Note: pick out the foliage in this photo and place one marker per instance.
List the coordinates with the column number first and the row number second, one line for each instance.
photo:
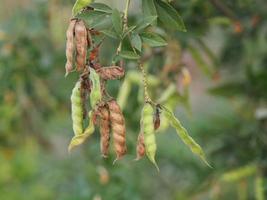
column 226, row 40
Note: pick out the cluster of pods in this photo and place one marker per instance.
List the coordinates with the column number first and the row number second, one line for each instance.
column 83, row 56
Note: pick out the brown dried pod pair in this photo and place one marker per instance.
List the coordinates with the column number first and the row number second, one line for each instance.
column 111, row 73
column 118, row 128
column 78, row 41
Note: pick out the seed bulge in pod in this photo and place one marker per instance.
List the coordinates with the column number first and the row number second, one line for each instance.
column 77, row 109
column 104, row 130
column 149, row 135
column 70, row 47
column 81, row 45
column 118, row 129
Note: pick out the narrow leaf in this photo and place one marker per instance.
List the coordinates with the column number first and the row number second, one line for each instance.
column 136, row 41
column 79, row 5
column 102, row 23
column 153, row 39
column 110, row 33
column 128, row 31
column 96, row 19
column 169, row 17
column 101, row 7
column 147, row 21
column 117, row 21
column 183, row 134
column 129, row 55
column 148, row 7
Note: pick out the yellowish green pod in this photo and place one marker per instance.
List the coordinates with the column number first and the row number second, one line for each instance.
column 95, row 95
column 79, row 139
column 149, row 135
column 77, row 109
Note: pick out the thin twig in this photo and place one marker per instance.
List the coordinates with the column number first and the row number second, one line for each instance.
column 125, row 23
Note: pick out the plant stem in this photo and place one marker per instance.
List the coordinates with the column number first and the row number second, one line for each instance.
column 145, row 85
column 125, row 22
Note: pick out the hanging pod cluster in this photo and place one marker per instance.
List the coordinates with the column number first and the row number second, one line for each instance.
column 90, row 92
column 92, row 105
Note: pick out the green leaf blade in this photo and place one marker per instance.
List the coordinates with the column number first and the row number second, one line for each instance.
column 153, row 39
column 136, row 42
column 101, row 7
column 117, row 21
column 130, row 55
column 169, row 16
column 149, row 8
column 147, row 21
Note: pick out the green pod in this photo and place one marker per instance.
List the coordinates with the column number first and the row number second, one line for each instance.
column 149, row 135
column 77, row 109
column 95, row 95
column 79, row 139
column 124, row 93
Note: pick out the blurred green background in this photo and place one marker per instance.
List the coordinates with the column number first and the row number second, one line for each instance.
column 225, row 50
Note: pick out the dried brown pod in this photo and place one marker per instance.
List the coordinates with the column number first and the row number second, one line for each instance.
column 70, row 46
column 104, row 130
column 111, row 73
column 118, row 129
column 140, row 147
column 81, row 45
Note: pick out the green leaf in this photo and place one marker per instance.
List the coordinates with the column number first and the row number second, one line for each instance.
column 110, row 33
column 148, row 7
column 117, row 21
column 129, row 30
column 104, row 22
column 183, row 134
column 101, row 7
column 169, row 17
column 79, row 5
column 153, row 39
column 147, row 21
column 136, row 41
column 129, row 55
column 96, row 19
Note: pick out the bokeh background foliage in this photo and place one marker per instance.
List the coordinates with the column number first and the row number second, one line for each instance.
column 225, row 50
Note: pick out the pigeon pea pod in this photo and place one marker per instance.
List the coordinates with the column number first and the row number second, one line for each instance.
column 80, row 139
column 183, row 134
column 104, row 130
column 95, row 95
column 118, row 128
column 149, row 135
column 77, row 109
column 70, row 46
column 81, row 45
